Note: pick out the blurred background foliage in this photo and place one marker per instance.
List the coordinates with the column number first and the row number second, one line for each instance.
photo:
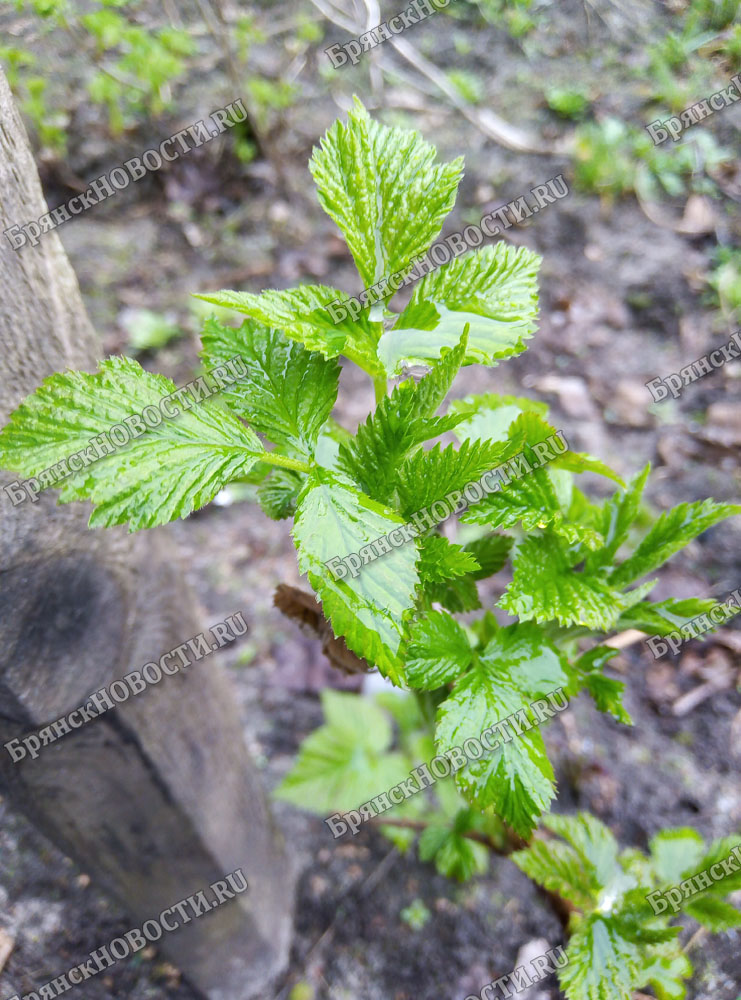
column 134, row 61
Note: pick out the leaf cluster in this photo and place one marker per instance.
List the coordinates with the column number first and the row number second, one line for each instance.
column 572, row 568
column 617, row 942
column 575, row 568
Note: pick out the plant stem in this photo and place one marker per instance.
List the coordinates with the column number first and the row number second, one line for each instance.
column 514, row 844
column 379, row 384
column 561, row 907
column 285, row 462
column 420, row 824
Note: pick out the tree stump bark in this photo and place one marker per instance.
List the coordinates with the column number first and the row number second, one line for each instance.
column 157, row 798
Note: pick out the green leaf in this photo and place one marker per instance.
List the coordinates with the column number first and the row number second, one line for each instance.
column 458, row 595
column 580, row 509
column 602, row 965
column 333, row 520
column 522, row 654
column 278, row 494
column 640, row 926
column 358, row 717
column 546, row 585
column 675, row 852
column 437, row 651
column 490, row 552
column 401, row 837
column 591, row 839
column 531, row 498
column 666, row 616
column 400, row 423
column 671, row 532
column 455, row 856
column 488, row 417
column 441, row 560
column 516, row 778
column 432, row 390
column 346, row 761
column 606, row 691
column 428, row 476
column 713, row 913
column 484, row 629
column 404, row 709
column 563, row 484
column 416, row 915
column 288, row 393
column 579, row 462
column 258, row 473
column 494, row 290
column 665, row 973
column 608, row 697
column 327, row 452
column 384, row 190
column 558, row 868
column 448, row 573
column 635, row 863
column 618, row 514
column 594, row 659
column 530, row 501
column 301, row 313
column 719, row 851
column 167, row 472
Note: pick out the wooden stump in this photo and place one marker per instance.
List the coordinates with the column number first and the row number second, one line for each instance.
column 155, row 799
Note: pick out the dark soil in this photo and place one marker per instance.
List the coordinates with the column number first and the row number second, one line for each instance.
column 621, row 304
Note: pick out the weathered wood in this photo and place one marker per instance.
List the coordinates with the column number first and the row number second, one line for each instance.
column 157, row 798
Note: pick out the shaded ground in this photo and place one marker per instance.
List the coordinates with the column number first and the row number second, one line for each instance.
column 620, row 305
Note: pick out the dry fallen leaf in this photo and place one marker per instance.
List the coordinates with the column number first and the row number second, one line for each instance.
column 7, row 943
column 629, row 403
column 304, row 609
column 699, row 215
column 573, row 395
column 724, row 423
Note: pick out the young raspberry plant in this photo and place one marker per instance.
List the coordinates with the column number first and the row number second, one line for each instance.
column 367, row 508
